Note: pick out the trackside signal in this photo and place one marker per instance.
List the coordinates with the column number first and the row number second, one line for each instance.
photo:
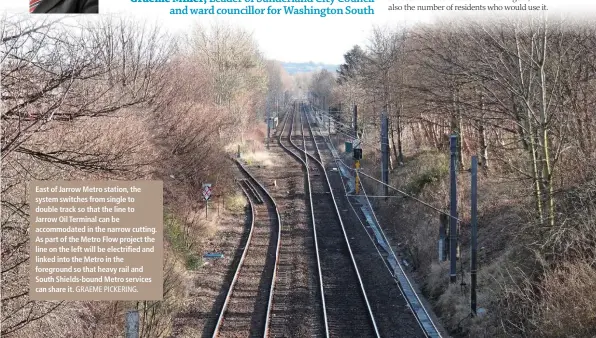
column 357, row 154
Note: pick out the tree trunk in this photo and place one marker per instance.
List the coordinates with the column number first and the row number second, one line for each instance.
column 460, row 141
column 395, row 149
column 546, row 163
column 417, row 134
column 483, row 148
column 535, row 172
column 530, row 132
column 482, row 136
column 390, row 158
column 400, row 158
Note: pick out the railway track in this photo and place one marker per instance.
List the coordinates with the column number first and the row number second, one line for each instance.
column 296, row 291
column 247, row 305
column 347, row 312
column 399, row 310
column 291, row 137
column 263, row 301
column 301, row 239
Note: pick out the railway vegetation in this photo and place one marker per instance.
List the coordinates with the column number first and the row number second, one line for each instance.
column 235, row 202
column 176, row 234
column 432, row 167
column 119, row 99
column 520, row 93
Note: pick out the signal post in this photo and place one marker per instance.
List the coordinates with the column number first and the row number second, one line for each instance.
column 357, row 158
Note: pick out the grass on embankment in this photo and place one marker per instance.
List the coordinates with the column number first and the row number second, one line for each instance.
column 530, row 279
column 178, row 236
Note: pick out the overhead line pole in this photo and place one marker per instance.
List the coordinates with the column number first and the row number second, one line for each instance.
column 356, row 120
column 474, row 235
column 453, row 211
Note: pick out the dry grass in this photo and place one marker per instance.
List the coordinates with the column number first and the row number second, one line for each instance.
column 552, row 295
column 567, row 305
column 521, row 295
column 261, row 158
column 531, row 283
column 251, row 141
column 236, row 203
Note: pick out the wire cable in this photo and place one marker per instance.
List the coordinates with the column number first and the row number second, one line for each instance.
column 391, row 272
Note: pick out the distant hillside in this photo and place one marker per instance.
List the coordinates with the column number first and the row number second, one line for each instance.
column 305, row 67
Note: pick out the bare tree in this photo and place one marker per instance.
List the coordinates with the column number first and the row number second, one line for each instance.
column 237, row 69
column 54, row 81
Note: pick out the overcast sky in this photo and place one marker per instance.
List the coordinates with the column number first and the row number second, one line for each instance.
column 299, row 38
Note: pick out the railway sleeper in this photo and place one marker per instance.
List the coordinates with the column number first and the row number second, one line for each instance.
column 253, row 191
column 256, row 194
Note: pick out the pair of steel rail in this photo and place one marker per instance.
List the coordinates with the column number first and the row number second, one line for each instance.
column 303, row 157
